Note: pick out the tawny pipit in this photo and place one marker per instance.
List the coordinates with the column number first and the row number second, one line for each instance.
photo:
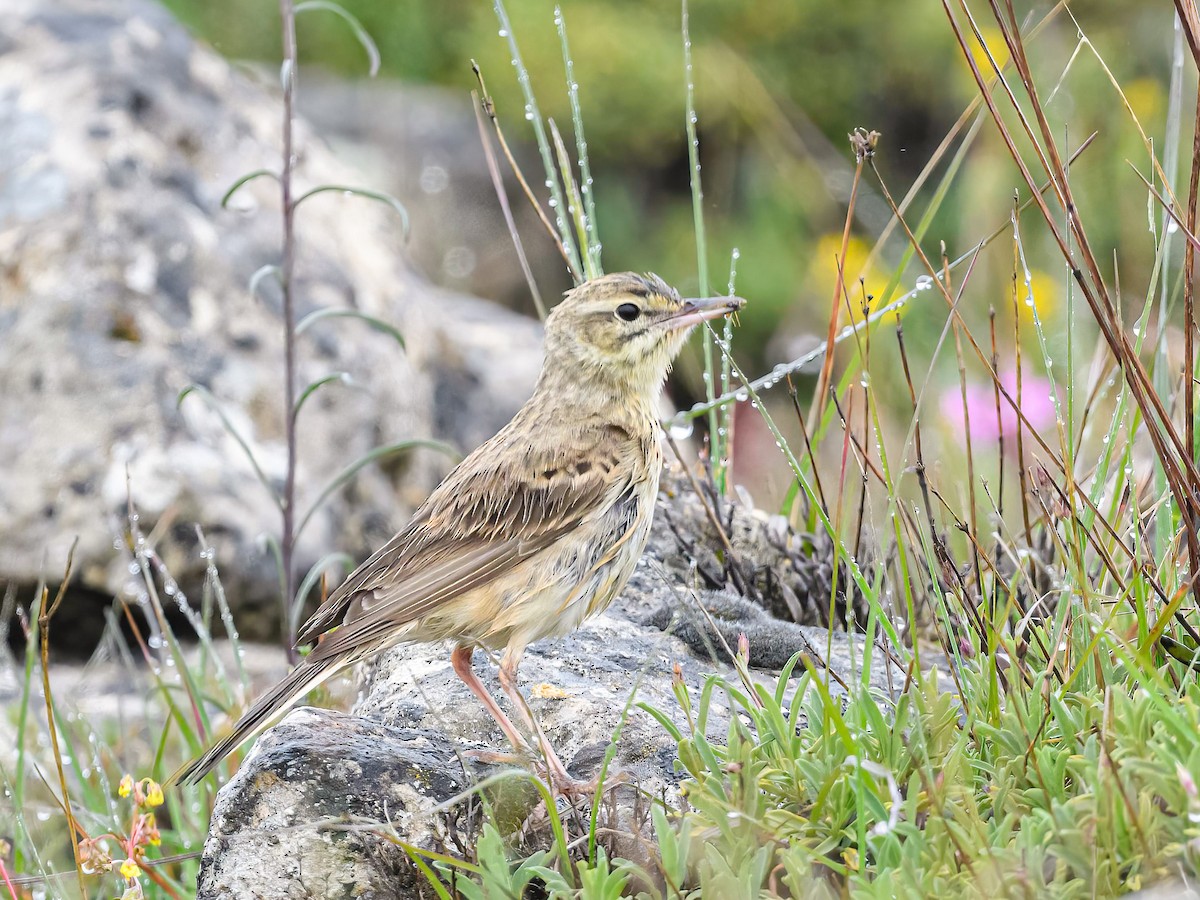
column 536, row 530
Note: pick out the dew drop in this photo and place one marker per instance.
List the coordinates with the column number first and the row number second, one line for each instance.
column 681, row 431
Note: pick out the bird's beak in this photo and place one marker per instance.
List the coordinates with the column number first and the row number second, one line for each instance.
column 697, row 310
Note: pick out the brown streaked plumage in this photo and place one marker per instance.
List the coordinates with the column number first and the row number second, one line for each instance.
column 537, row 529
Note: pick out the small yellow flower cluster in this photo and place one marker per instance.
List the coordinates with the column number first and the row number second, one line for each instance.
column 147, row 792
column 143, row 832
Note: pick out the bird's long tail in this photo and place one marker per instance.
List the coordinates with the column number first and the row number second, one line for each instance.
column 265, row 710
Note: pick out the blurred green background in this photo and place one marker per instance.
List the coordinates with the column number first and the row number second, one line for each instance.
column 779, row 84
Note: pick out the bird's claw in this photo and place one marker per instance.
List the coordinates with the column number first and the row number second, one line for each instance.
column 563, row 784
column 560, row 782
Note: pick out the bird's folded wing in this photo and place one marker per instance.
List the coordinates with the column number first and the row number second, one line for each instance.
column 478, row 525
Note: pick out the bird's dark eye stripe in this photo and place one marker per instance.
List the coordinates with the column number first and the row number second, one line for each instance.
column 628, row 312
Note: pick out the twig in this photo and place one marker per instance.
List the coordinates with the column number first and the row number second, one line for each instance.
column 795, row 397
column 939, row 545
column 1189, row 18
column 1168, row 445
column 489, row 108
column 28, row 880
column 1189, row 267
column 12, row 891
column 862, row 151
column 44, row 616
column 1020, row 382
column 972, row 514
column 498, row 183
column 287, row 268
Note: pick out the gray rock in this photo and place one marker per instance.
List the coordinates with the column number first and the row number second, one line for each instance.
column 122, row 280
column 785, row 572
column 293, row 834
column 408, row 749
column 1167, row 890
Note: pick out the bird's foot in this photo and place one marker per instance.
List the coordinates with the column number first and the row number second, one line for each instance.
column 563, row 784
column 554, row 774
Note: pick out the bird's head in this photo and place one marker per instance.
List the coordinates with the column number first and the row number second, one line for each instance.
column 624, row 330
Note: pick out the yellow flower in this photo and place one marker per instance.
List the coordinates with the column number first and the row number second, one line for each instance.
column 130, row 870
column 154, row 792
column 850, row 858
column 1145, row 98
column 823, row 274
column 126, row 786
column 148, row 827
column 1045, row 290
column 994, row 42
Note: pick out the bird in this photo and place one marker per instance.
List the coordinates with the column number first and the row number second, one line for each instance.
column 536, row 530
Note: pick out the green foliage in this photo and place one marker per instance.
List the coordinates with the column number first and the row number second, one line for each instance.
column 497, row 876
column 929, row 799
column 1066, row 794
column 133, row 835
column 778, row 86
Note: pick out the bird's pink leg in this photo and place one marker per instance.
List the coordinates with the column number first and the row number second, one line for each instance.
column 460, row 659
column 561, row 780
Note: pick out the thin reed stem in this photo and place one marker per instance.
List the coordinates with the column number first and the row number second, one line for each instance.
column 287, row 266
column 716, row 442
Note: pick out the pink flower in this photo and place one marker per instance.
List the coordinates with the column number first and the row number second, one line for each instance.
column 1037, row 404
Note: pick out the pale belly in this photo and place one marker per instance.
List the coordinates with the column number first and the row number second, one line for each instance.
column 557, row 590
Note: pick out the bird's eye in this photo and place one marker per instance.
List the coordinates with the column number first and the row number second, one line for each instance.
column 628, row 311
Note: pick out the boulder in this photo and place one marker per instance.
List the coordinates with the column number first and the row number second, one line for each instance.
column 123, row 280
